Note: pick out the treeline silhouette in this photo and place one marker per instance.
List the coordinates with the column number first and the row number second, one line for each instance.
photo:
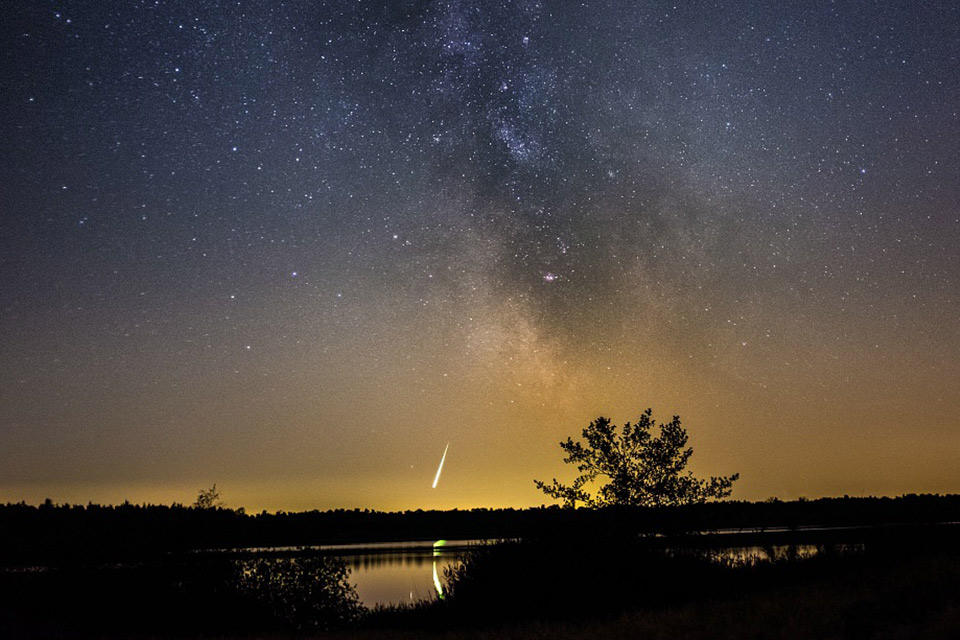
column 65, row 535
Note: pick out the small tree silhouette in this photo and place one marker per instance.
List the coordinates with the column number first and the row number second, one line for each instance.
column 208, row 499
column 641, row 470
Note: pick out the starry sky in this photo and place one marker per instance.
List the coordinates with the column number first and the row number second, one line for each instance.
column 295, row 248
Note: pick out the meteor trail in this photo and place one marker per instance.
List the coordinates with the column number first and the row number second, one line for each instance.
column 440, row 468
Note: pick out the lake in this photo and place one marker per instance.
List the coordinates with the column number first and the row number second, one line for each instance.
column 398, row 572
column 387, row 573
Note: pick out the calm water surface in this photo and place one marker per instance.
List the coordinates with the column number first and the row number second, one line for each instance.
column 400, row 572
column 394, row 573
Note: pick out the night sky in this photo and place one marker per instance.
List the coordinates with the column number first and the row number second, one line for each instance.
column 295, row 248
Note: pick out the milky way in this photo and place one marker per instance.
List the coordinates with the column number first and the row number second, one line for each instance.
column 290, row 247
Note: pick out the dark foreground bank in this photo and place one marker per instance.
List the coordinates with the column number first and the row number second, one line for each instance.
column 915, row 597
column 880, row 582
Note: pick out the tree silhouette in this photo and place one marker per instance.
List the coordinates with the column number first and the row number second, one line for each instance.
column 208, row 499
column 641, row 470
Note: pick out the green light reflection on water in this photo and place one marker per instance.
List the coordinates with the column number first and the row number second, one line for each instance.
column 437, row 547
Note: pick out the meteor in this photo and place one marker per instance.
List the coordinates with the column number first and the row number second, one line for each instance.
column 440, row 468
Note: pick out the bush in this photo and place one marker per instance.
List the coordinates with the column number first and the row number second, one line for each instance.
column 565, row 578
column 307, row 593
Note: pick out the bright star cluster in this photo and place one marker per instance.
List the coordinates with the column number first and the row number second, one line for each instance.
column 293, row 247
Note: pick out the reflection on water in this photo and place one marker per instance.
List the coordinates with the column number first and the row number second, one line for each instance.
column 437, row 554
column 405, row 572
column 771, row 553
column 392, row 573
column 779, row 552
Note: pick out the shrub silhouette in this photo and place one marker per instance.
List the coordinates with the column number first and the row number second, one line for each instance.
column 574, row 576
column 307, row 593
